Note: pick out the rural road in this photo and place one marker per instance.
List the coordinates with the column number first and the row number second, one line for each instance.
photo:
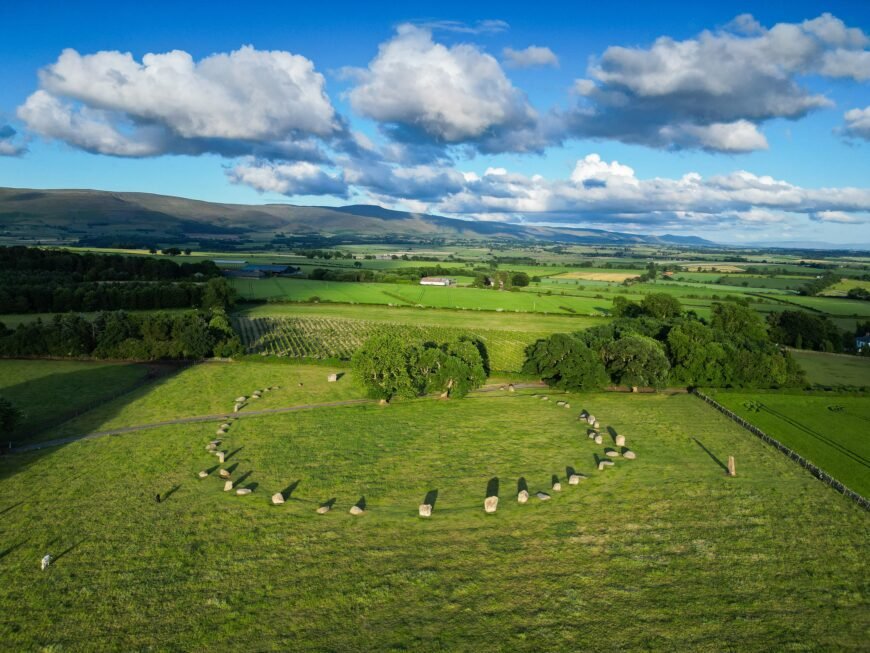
column 221, row 416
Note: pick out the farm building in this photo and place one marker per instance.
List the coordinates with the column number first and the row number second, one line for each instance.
column 253, row 271
column 436, row 281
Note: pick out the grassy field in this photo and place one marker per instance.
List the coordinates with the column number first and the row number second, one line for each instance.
column 840, row 288
column 664, row 552
column 46, row 391
column 829, row 430
column 209, row 389
column 833, row 369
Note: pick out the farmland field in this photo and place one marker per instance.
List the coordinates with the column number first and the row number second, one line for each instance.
column 830, row 431
column 323, row 337
column 833, row 369
column 614, row 277
column 663, row 552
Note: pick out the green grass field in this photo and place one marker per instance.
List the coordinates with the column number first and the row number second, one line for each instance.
column 833, row 369
column 664, row 552
column 46, row 391
column 830, row 431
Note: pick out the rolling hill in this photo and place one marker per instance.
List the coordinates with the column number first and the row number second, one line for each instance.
column 91, row 217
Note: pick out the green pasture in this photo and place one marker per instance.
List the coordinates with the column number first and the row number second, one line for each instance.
column 664, row 552
column 831, row 431
column 47, row 391
column 833, row 369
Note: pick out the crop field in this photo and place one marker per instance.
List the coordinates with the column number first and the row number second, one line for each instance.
column 46, row 391
column 614, row 277
column 833, row 369
column 828, row 430
column 840, row 288
column 467, row 320
column 661, row 552
column 326, row 337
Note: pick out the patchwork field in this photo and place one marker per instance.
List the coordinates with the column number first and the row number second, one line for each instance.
column 663, row 552
column 830, row 431
column 614, row 277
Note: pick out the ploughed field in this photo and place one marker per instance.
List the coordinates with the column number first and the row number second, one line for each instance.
column 662, row 552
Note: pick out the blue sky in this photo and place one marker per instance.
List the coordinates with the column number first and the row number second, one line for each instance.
column 753, row 129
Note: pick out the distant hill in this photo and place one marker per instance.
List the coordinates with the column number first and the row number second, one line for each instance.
column 92, row 217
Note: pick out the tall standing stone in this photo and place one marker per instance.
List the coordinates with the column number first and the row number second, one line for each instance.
column 425, row 510
column 523, row 496
column 620, row 440
column 277, row 499
column 228, row 486
column 732, row 469
column 490, row 504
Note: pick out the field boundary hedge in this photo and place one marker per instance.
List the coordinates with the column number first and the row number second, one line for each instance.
column 796, row 457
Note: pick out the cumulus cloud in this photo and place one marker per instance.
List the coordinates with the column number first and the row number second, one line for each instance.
column 530, row 57
column 597, row 191
column 858, row 123
column 10, row 144
column 298, row 178
column 713, row 91
column 228, row 103
column 421, row 90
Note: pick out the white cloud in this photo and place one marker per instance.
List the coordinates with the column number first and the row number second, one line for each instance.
column 592, row 168
column 713, row 91
column 489, row 26
column 428, row 91
column 838, row 216
column 858, row 123
column 531, row 56
column 299, row 178
column 170, row 103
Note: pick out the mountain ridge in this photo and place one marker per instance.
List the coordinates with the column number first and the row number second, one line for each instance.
column 86, row 216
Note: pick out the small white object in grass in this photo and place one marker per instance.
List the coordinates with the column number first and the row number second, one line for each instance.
column 46, row 561
column 628, row 454
column 575, row 479
column 243, row 491
column 620, row 440
column 557, row 487
column 356, row 510
column 523, row 496
column 490, row 504
column 278, row 498
column 543, row 496
column 228, row 486
column 425, row 510
column 203, row 474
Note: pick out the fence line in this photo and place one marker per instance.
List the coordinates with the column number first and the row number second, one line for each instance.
column 796, row 457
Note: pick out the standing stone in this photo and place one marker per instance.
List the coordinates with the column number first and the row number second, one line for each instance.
column 575, row 479
column 611, row 453
column 203, row 474
column 425, row 510
column 211, row 446
column 255, row 396
column 595, row 424
column 236, row 408
column 225, row 426
column 277, row 499
column 490, row 504
column 567, row 405
column 628, row 454
column 242, row 491
column 240, row 399
column 383, row 402
column 511, row 388
column 557, row 487
column 523, row 496
column 356, row 510
column 604, row 463
column 332, row 378
column 545, row 398
column 732, row 469
column 590, row 419
column 322, row 510
column 620, row 440
column 543, row 496
column 224, row 473
column 560, row 403
column 221, row 455
column 599, row 439
column 228, row 486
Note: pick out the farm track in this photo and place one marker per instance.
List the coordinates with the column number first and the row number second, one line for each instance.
column 223, row 416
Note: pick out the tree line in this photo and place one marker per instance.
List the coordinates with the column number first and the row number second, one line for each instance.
column 192, row 335
column 658, row 345
column 33, row 280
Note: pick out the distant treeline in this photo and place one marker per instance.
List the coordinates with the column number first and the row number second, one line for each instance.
column 58, row 281
column 119, row 335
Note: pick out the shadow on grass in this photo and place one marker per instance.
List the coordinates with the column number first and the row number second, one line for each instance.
column 710, row 453
column 492, row 487
column 65, row 384
column 361, row 504
column 288, row 491
column 68, row 550
column 522, row 485
column 431, row 498
column 570, row 471
column 5, row 552
column 8, row 508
